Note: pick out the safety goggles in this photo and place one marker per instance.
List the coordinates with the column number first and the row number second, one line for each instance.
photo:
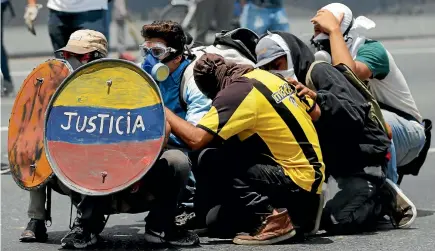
column 155, row 48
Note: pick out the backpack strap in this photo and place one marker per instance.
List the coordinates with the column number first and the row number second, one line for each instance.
column 308, row 81
column 182, row 88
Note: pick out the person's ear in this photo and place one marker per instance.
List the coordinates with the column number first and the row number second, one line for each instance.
column 178, row 59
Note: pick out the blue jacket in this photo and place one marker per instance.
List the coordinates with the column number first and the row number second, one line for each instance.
column 197, row 103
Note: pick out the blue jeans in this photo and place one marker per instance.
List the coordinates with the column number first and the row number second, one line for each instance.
column 260, row 20
column 62, row 24
column 108, row 20
column 392, row 164
column 409, row 138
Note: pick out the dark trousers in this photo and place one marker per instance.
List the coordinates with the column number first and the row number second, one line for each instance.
column 248, row 188
column 164, row 181
column 62, row 24
column 4, row 55
column 355, row 208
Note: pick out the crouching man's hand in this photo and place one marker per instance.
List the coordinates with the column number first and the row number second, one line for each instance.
column 302, row 89
column 304, row 93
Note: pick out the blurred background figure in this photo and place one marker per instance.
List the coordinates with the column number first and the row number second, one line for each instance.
column 262, row 15
column 207, row 10
column 7, row 88
column 121, row 16
column 66, row 17
column 108, row 20
column 398, row 7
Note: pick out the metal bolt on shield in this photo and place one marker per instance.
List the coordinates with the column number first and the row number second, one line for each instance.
column 109, row 84
column 33, row 167
column 103, row 175
column 39, row 81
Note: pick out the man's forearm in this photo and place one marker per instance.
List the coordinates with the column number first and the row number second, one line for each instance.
column 339, row 51
column 315, row 113
column 167, row 133
column 182, row 129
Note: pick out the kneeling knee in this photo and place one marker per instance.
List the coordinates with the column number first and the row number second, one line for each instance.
column 178, row 161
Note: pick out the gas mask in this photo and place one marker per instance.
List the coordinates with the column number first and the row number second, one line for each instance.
column 153, row 66
column 323, row 56
column 77, row 60
column 290, row 73
column 324, row 43
column 321, row 45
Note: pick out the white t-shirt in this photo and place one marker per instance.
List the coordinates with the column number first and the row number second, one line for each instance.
column 388, row 84
column 77, row 5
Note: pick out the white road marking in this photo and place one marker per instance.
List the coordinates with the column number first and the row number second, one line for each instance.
column 432, row 150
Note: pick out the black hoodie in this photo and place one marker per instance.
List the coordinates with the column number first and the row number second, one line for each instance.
column 350, row 141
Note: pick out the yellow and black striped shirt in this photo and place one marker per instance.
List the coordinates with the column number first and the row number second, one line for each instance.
column 261, row 106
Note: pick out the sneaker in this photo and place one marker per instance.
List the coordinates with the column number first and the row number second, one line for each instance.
column 35, row 232
column 8, row 91
column 189, row 221
column 276, row 228
column 176, row 237
column 184, row 218
column 319, row 211
column 399, row 208
column 78, row 238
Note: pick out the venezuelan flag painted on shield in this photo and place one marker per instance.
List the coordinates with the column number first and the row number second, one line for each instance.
column 105, row 127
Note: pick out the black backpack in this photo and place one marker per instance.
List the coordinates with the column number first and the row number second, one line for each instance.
column 241, row 39
column 412, row 168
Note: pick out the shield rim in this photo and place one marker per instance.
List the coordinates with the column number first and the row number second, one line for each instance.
column 54, row 166
column 50, row 177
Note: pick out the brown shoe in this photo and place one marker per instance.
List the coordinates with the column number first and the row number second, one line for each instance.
column 276, row 228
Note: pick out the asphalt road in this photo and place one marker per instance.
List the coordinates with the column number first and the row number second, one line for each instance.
column 124, row 232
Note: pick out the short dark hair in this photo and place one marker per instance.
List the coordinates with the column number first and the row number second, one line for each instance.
column 169, row 31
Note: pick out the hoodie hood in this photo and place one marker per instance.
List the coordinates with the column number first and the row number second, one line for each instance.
column 212, row 73
column 353, row 29
column 301, row 55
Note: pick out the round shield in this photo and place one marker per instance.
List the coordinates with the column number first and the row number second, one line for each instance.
column 105, row 127
column 28, row 163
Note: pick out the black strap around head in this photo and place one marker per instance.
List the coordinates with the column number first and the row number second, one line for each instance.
column 348, row 28
column 74, row 62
